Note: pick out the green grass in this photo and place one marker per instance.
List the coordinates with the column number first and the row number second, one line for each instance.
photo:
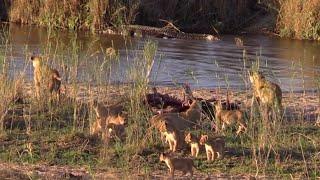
column 62, row 147
column 55, row 142
column 40, row 132
column 58, row 147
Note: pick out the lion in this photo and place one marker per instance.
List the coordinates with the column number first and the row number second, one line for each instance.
column 45, row 78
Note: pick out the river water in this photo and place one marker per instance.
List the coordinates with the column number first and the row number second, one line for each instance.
column 294, row 64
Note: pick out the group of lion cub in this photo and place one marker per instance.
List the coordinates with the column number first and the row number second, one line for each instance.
column 173, row 127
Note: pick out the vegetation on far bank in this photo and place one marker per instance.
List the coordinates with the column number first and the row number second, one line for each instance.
column 97, row 14
column 299, row 19
column 289, row 18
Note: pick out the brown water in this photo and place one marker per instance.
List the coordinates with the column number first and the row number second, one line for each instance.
column 294, row 64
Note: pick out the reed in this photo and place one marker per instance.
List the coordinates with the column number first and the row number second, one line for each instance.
column 58, row 132
column 92, row 14
column 10, row 88
column 205, row 16
column 139, row 74
column 299, row 19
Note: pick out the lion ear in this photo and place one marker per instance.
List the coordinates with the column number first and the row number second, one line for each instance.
column 205, row 137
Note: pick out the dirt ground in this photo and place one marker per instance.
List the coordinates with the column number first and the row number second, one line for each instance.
column 42, row 171
column 297, row 106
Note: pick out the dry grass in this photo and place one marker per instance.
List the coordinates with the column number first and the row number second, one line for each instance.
column 58, row 134
column 299, row 19
column 71, row 14
column 194, row 16
column 10, row 91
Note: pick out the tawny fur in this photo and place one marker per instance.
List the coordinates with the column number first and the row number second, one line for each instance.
column 172, row 119
column 214, row 147
column 95, row 128
column 107, row 116
column 181, row 164
column 204, row 106
column 171, row 135
column 266, row 92
column 45, row 78
column 230, row 117
column 171, row 139
column 193, row 114
column 180, row 121
column 116, row 131
column 194, row 144
column 102, row 111
column 175, row 121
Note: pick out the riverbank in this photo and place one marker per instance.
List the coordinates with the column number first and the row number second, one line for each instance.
column 43, row 140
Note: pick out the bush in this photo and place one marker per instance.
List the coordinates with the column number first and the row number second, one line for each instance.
column 299, row 19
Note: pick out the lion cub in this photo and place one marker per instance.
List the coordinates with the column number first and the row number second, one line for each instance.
column 193, row 114
column 194, row 144
column 109, row 114
column 45, row 77
column 214, row 146
column 182, row 164
column 109, row 119
column 116, row 131
column 171, row 136
column 229, row 117
column 266, row 92
column 96, row 130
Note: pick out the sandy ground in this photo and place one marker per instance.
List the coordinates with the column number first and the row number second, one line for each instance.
column 42, row 171
column 298, row 106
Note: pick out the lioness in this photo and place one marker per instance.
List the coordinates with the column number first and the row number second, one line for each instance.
column 45, row 78
column 267, row 93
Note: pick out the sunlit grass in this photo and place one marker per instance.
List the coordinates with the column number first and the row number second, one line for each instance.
column 58, row 133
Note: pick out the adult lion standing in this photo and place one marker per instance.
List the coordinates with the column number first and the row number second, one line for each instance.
column 45, row 78
column 267, row 93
